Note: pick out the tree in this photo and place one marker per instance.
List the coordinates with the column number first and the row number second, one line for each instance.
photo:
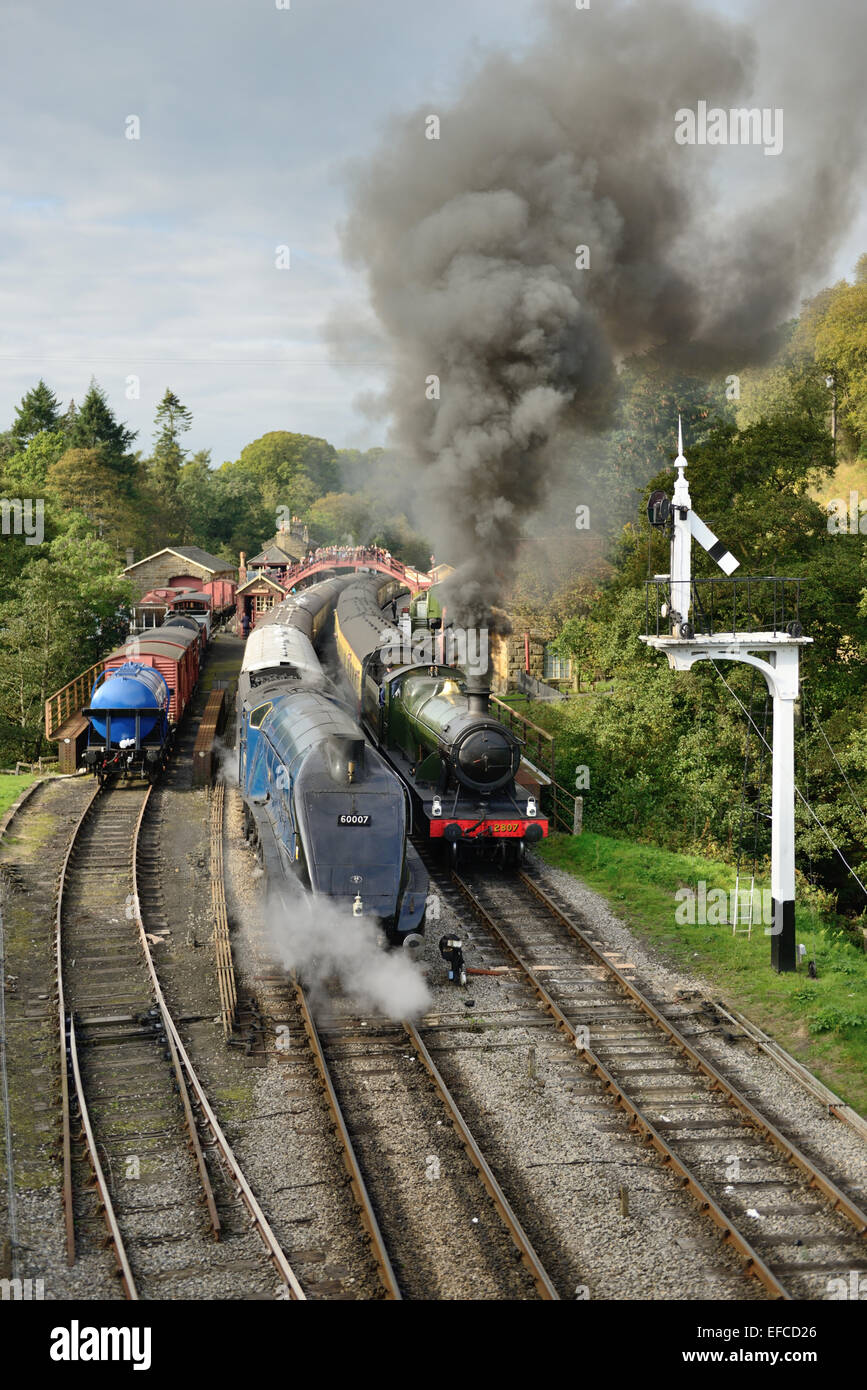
column 96, row 427
column 341, row 517
column 81, row 481
column 172, row 420
column 39, row 410
column 841, row 349
column 70, row 607
column 277, row 459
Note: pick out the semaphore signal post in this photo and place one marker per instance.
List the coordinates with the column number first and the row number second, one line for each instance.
column 716, row 620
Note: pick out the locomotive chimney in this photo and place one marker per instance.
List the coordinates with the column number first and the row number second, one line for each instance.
column 478, row 695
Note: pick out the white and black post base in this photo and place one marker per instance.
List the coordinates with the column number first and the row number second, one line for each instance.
column 782, row 933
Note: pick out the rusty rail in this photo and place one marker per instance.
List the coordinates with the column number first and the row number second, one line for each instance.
column 67, row 1039
column 241, row 1186
column 504, row 1209
column 839, row 1201
column 350, row 1161
column 754, row 1264
column 187, row 1081
column 183, row 1092
column 528, row 1255
column 114, row 1234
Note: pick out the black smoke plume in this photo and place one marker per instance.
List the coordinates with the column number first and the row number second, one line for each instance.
column 468, row 242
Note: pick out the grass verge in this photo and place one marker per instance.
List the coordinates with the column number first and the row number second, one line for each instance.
column 11, row 788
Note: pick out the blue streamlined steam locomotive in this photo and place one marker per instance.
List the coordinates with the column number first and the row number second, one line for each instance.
column 319, row 801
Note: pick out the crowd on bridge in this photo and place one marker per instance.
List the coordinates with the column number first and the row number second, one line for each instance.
column 350, row 553
column 334, row 555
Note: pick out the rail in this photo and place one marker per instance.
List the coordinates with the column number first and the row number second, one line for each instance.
column 718, row 606
column 790, row 1152
column 527, row 1254
column 753, row 1262
column 350, row 1161
column 67, row 1043
column 187, row 1079
column 503, row 1207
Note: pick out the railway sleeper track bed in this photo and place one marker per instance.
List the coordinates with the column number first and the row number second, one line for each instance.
column 436, row 1223
column 793, row 1227
column 144, row 1156
column 34, row 835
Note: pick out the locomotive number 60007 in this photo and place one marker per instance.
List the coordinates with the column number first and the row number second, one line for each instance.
column 353, row 820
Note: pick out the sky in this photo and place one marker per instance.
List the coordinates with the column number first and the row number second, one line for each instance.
column 151, row 263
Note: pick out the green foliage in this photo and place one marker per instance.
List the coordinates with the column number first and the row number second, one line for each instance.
column 172, row 420
column 666, row 750
column 841, row 350
column 39, row 410
column 71, row 605
column 63, row 602
column 95, row 426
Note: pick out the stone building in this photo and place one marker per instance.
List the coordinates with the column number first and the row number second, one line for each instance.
column 177, row 567
column 512, row 656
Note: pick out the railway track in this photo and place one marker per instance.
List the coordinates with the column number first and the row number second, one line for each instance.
column 791, row 1224
column 435, row 1218
column 154, row 1164
column 33, row 839
column 425, row 1185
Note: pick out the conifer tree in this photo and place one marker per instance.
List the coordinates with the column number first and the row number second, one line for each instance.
column 39, row 410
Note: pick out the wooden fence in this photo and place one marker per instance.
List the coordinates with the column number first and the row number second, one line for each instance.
column 63, row 704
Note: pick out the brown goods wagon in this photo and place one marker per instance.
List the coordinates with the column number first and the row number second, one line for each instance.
column 222, row 592
column 176, row 659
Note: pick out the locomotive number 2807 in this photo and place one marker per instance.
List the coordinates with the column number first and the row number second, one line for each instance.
column 353, row 820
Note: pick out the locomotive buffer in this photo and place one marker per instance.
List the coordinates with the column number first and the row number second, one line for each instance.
column 773, row 653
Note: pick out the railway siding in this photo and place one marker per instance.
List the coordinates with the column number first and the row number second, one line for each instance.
column 31, row 851
column 761, row 1191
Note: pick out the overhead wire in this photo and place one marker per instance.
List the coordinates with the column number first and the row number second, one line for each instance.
column 798, row 791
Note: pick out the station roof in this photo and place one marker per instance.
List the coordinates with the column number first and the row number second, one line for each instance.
column 271, row 555
column 193, row 553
